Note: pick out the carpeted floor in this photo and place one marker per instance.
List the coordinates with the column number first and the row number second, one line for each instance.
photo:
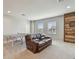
column 58, row 50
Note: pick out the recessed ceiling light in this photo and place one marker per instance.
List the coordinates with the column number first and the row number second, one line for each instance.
column 68, row 7
column 9, row 11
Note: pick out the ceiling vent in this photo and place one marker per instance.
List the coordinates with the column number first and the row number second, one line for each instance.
column 23, row 14
column 60, row 0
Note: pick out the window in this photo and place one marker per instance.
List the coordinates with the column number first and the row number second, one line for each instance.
column 52, row 27
column 40, row 26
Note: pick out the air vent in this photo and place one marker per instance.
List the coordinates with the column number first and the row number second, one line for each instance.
column 23, row 14
column 60, row 0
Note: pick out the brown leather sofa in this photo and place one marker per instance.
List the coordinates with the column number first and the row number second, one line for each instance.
column 37, row 42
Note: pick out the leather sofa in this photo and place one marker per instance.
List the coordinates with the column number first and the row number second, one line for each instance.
column 37, row 42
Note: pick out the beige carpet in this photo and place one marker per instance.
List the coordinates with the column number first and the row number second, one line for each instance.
column 58, row 50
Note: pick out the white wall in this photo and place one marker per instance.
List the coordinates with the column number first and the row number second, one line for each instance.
column 13, row 25
column 32, row 26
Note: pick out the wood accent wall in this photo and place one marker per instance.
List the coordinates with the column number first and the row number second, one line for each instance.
column 69, row 27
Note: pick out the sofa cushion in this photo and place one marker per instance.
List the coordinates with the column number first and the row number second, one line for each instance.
column 42, row 41
column 42, row 36
column 39, row 42
column 38, row 36
column 47, row 40
column 33, row 36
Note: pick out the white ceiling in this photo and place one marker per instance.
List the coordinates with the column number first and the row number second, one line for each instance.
column 37, row 9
